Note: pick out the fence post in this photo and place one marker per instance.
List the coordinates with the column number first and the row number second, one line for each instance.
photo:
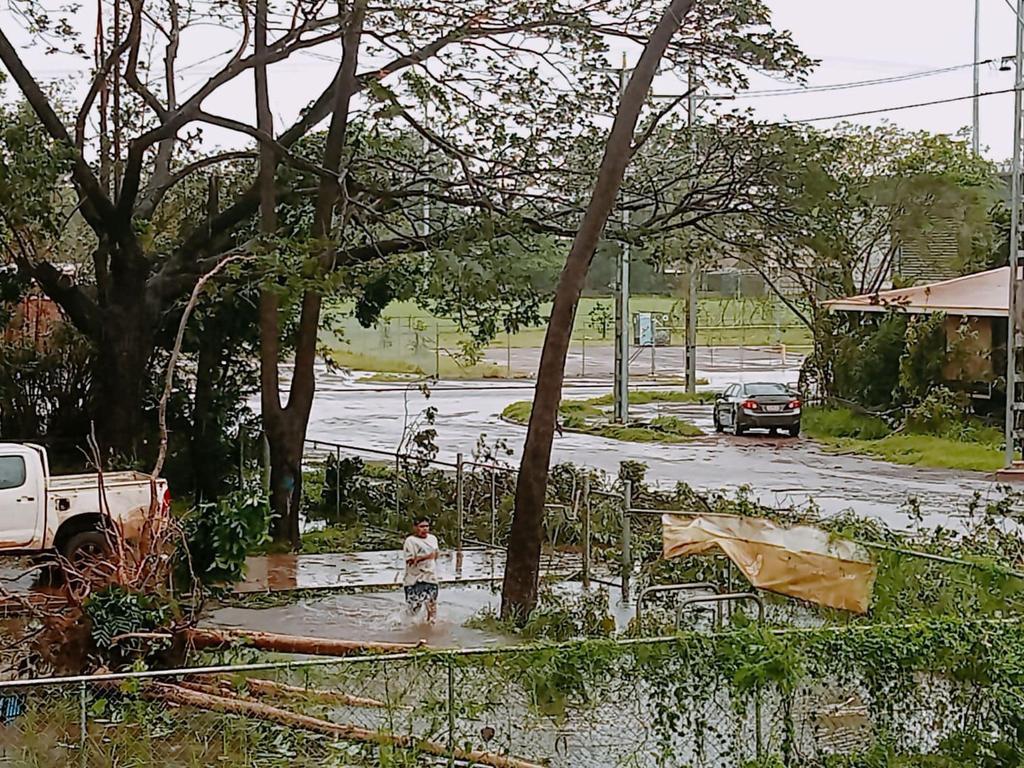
column 451, row 712
column 654, row 344
column 583, row 361
column 585, row 508
column 337, row 483
column 398, row 486
column 627, row 538
column 437, row 350
column 459, row 506
column 508, row 355
column 266, row 465
column 758, row 738
column 494, row 508
column 83, row 725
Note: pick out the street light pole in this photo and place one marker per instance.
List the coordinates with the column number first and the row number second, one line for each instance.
column 1012, row 327
column 620, row 396
column 691, row 302
column 975, row 133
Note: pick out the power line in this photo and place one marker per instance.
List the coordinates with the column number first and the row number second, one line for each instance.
column 897, row 108
column 852, row 84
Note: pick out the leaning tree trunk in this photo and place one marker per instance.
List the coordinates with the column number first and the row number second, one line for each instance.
column 522, row 568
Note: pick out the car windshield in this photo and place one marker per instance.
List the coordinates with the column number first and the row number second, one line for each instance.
column 767, row 389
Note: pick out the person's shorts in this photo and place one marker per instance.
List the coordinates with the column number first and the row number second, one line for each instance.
column 421, row 592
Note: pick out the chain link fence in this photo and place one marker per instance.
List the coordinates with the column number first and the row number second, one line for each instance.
column 593, row 704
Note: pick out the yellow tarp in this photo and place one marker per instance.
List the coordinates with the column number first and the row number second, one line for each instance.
column 800, row 561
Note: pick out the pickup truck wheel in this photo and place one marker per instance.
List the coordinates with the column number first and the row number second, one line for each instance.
column 86, row 546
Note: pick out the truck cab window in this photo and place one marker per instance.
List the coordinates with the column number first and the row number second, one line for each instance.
column 12, row 472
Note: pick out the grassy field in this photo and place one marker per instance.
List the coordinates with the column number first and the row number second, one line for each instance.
column 844, row 431
column 589, row 417
column 726, row 322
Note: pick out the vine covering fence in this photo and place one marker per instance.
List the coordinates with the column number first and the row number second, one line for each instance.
column 856, row 695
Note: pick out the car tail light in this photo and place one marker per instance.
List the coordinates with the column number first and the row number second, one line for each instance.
column 750, row 405
column 165, row 506
column 794, row 404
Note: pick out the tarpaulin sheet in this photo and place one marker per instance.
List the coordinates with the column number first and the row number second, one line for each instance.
column 800, row 561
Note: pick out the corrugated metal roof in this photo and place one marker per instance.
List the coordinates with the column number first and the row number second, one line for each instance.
column 985, row 294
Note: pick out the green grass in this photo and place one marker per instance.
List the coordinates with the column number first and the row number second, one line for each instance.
column 579, row 415
column 647, row 396
column 929, row 451
column 845, row 431
column 387, row 367
column 725, row 322
column 842, row 422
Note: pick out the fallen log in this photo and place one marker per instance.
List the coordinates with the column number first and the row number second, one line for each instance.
column 269, row 688
column 201, row 639
column 233, row 705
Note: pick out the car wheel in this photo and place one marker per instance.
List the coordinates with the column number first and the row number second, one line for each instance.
column 85, row 547
column 718, row 424
column 737, row 429
column 794, row 431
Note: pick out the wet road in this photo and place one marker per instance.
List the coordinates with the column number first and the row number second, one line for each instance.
column 780, row 471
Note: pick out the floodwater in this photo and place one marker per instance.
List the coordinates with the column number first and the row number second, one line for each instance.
column 780, row 471
column 362, row 570
column 379, row 616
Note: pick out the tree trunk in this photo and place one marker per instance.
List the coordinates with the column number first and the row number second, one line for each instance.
column 201, row 639
column 285, row 436
column 124, row 346
column 207, row 430
column 286, row 427
column 235, row 705
column 522, row 565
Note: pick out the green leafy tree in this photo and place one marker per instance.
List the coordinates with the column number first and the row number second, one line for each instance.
column 600, row 319
column 850, row 198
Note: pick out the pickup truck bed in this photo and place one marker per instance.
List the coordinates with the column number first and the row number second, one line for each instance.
column 40, row 512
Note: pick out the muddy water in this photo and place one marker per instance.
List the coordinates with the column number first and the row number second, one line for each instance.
column 381, row 615
column 276, row 573
column 374, row 616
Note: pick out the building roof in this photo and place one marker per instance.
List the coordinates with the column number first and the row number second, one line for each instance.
column 984, row 294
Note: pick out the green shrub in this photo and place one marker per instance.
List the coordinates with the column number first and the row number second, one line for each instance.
column 941, row 412
column 219, row 535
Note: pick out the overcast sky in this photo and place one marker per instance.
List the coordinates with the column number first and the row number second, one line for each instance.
column 871, row 39
column 855, row 41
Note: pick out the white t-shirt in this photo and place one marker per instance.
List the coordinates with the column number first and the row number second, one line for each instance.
column 425, row 570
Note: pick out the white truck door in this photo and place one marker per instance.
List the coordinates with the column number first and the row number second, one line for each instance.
column 22, row 496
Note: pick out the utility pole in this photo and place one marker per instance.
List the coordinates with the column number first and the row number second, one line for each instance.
column 691, row 303
column 1013, row 399
column 975, row 135
column 620, row 396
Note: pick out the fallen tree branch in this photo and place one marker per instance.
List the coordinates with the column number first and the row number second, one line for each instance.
column 172, row 363
column 201, row 639
column 268, row 688
column 182, row 696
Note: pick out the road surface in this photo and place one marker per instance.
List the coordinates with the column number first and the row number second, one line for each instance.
column 780, row 471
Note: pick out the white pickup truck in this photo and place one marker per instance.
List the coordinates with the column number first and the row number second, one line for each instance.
column 40, row 512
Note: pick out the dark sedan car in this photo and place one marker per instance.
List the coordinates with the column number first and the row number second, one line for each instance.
column 760, row 405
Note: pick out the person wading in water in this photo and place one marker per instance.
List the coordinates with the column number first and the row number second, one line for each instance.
column 421, row 551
